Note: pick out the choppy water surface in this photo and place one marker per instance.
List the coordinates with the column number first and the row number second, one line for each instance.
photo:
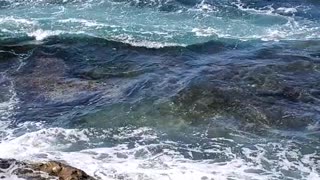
column 163, row 89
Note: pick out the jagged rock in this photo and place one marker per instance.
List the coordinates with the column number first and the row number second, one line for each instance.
column 63, row 171
column 40, row 171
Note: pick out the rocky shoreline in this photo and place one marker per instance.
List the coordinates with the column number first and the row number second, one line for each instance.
column 10, row 168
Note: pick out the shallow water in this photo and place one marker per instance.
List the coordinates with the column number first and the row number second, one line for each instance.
column 170, row 89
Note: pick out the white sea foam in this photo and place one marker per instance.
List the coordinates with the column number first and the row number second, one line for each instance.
column 15, row 20
column 7, row 108
column 42, row 34
column 267, row 10
column 88, row 23
column 141, row 162
column 203, row 6
column 152, row 44
column 143, row 43
column 205, row 32
column 285, row 10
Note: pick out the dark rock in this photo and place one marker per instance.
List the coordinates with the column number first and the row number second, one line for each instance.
column 291, row 93
column 204, row 99
column 6, row 163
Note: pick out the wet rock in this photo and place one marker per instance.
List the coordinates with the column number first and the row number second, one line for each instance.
column 43, row 171
column 6, row 55
column 6, row 163
column 291, row 93
column 85, row 84
column 46, row 78
column 64, row 172
column 204, row 99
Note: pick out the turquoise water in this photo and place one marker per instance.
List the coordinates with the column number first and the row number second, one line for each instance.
column 163, row 89
column 161, row 23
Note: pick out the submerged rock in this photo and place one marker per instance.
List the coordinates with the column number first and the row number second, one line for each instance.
column 9, row 168
column 203, row 99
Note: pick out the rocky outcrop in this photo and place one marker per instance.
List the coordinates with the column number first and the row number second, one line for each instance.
column 10, row 168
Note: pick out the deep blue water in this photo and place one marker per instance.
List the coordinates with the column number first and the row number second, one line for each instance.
column 163, row 89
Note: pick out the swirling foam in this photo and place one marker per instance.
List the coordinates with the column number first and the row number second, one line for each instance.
column 148, row 157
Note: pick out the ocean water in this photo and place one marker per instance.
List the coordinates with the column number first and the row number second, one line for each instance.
column 163, row 89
